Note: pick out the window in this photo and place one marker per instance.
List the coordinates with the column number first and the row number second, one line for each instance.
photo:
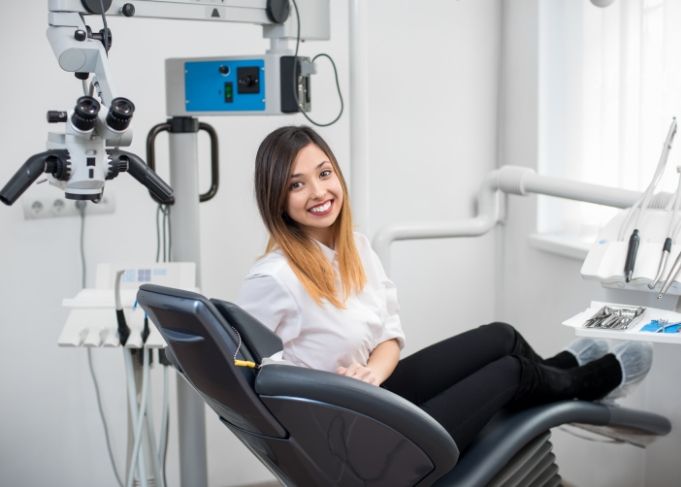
column 610, row 82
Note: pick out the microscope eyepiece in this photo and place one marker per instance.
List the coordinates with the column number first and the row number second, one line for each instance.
column 84, row 116
column 120, row 114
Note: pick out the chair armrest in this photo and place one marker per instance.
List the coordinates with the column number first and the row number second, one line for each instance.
column 355, row 395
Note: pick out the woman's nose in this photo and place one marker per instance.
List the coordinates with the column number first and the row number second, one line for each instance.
column 317, row 190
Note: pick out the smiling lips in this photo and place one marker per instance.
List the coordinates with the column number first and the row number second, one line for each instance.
column 323, row 209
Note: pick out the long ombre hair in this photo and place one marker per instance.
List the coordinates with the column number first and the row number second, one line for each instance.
column 273, row 166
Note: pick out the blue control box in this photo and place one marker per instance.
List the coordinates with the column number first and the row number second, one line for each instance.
column 236, row 85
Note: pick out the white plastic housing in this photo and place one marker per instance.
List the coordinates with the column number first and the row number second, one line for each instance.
column 606, row 257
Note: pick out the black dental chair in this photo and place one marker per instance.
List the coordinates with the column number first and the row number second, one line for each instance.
column 314, row 428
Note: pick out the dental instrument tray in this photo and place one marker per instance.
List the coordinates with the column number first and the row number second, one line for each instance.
column 620, row 321
column 614, row 317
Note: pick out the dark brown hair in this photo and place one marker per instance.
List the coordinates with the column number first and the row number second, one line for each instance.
column 273, row 166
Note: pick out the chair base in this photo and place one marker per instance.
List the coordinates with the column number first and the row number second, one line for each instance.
column 533, row 466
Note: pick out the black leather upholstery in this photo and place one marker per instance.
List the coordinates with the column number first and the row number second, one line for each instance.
column 258, row 339
column 314, row 428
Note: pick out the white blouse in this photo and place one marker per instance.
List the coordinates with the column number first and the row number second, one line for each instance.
column 322, row 336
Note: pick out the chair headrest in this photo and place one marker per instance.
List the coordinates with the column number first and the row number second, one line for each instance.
column 258, row 339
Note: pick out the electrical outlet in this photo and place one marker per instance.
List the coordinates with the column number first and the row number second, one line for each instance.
column 57, row 206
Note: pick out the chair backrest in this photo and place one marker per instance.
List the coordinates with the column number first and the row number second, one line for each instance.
column 311, row 428
column 203, row 345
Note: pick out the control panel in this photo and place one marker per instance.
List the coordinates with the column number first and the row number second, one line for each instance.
column 225, row 85
column 243, row 85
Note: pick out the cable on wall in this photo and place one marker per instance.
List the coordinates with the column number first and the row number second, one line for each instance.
column 295, row 77
column 81, row 205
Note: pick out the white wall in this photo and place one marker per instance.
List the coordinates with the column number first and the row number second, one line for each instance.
column 541, row 289
column 433, row 139
column 434, row 72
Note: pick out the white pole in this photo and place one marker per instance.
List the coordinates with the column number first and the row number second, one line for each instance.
column 185, row 247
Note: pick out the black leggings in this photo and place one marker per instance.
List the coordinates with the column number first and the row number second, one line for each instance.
column 465, row 380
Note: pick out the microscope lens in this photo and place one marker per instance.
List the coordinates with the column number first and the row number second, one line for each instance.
column 120, row 114
column 84, row 115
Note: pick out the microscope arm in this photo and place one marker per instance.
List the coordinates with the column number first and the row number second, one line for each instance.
column 135, row 166
column 78, row 52
column 51, row 161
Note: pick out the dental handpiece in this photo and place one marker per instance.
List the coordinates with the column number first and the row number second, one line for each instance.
column 666, row 250
column 629, row 264
column 671, row 277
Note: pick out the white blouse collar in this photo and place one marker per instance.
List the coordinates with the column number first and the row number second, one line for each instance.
column 328, row 252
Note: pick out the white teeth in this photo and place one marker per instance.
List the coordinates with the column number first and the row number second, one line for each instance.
column 321, row 208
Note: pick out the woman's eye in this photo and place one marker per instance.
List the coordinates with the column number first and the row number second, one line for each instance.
column 296, row 185
column 325, row 173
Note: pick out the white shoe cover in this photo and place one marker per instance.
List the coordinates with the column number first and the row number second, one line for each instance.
column 635, row 358
column 586, row 350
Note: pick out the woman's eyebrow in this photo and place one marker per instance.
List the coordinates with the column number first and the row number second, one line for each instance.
column 297, row 175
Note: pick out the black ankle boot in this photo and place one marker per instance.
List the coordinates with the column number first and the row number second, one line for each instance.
column 541, row 384
column 596, row 379
column 563, row 360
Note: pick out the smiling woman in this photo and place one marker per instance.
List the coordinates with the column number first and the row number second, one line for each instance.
column 322, row 289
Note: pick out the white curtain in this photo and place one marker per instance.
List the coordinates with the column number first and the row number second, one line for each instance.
column 610, row 82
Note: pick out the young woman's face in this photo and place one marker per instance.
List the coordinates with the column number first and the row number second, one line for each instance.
column 315, row 194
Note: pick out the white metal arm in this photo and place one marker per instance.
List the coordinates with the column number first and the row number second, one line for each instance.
column 507, row 179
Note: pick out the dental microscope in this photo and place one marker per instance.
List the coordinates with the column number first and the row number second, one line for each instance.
column 87, row 153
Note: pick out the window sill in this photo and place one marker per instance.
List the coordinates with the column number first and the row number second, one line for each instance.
column 563, row 245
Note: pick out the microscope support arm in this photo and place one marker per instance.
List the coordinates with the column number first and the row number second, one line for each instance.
column 77, row 52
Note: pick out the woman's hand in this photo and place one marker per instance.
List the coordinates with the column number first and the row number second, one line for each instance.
column 360, row 372
column 382, row 361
